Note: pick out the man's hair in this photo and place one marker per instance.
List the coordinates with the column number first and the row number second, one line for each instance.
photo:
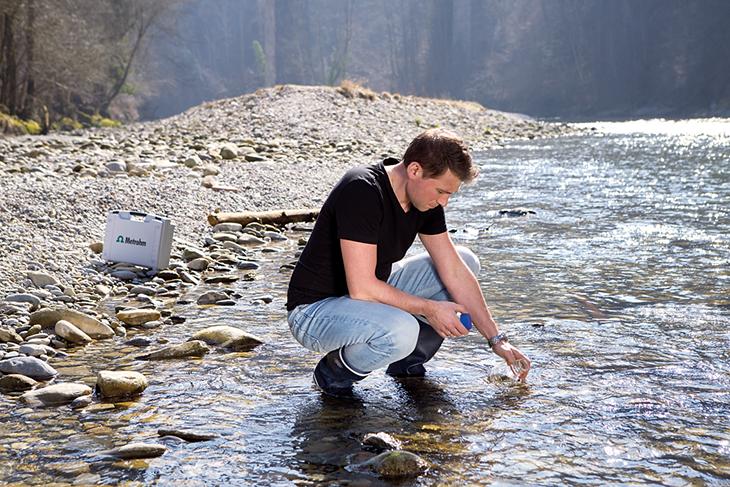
column 438, row 150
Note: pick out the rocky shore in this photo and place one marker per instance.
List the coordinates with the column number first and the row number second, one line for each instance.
column 282, row 147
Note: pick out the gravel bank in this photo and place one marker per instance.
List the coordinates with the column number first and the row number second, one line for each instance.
column 282, row 147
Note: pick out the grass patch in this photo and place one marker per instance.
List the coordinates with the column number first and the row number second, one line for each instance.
column 351, row 89
column 13, row 125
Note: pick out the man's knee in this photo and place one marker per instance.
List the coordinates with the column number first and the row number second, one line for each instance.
column 470, row 259
column 404, row 337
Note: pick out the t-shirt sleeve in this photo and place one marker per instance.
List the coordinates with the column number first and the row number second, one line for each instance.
column 359, row 212
column 434, row 222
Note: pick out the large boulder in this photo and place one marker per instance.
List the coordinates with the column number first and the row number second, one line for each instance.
column 123, row 383
column 48, row 317
column 196, row 348
column 28, row 366
column 138, row 317
column 55, row 394
column 70, row 333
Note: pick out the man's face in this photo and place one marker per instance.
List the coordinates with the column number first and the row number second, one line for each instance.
column 426, row 193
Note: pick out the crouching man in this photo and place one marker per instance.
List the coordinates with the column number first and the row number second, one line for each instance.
column 352, row 295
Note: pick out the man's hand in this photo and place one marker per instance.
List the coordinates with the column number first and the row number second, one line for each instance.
column 441, row 315
column 512, row 355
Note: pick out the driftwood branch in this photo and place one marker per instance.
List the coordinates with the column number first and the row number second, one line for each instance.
column 279, row 217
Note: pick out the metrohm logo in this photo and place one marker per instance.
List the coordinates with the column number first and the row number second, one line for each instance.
column 131, row 241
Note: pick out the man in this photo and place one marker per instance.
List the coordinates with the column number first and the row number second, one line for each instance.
column 353, row 298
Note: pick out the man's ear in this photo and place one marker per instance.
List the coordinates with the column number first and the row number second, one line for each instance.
column 414, row 169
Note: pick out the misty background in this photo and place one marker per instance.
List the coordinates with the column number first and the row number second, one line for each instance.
column 570, row 59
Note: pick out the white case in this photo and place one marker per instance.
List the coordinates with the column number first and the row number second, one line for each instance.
column 138, row 238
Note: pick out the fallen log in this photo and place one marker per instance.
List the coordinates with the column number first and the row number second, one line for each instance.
column 279, row 217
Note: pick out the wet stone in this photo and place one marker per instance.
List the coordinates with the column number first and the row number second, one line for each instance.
column 212, row 297
column 138, row 450
column 195, row 348
column 117, row 384
column 16, row 383
column 55, row 394
column 247, row 265
column 221, row 279
column 187, row 435
column 28, row 366
column 137, row 317
column 139, row 342
column 381, row 442
column 397, row 464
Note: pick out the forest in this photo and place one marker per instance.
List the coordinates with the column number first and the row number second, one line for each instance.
column 66, row 63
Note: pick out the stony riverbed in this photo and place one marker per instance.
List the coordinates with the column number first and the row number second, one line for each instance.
column 282, row 147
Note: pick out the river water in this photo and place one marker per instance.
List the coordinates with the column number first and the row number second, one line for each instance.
column 617, row 287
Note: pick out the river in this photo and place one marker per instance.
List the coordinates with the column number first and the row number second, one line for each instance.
column 617, row 287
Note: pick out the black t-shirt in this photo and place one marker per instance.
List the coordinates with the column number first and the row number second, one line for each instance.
column 361, row 207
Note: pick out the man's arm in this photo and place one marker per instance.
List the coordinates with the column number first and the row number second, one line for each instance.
column 360, row 260
column 464, row 289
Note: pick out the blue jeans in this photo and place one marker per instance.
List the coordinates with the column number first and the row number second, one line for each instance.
column 373, row 335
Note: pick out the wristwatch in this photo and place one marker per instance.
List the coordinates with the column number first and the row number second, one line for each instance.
column 496, row 339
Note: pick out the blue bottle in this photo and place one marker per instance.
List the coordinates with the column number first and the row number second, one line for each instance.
column 465, row 319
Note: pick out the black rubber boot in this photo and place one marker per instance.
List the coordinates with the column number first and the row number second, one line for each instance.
column 332, row 376
column 412, row 366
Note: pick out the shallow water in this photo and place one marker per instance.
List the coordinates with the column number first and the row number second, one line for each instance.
column 617, row 288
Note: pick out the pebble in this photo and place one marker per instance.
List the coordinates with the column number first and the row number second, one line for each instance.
column 9, row 335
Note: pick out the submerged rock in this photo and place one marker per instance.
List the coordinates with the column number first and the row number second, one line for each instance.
column 187, row 435
column 516, row 212
column 381, row 442
column 396, row 464
column 55, row 395
column 195, row 348
column 116, row 384
column 216, row 335
column 243, row 343
column 28, row 366
column 137, row 450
